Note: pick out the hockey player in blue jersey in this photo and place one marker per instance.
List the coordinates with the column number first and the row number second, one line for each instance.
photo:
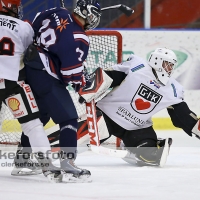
column 54, row 61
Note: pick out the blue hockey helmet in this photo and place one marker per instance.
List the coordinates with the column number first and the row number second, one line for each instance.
column 90, row 10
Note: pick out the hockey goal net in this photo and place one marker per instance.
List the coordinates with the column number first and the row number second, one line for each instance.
column 105, row 50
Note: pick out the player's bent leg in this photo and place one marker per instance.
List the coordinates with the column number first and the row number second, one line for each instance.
column 144, row 147
column 63, row 112
column 27, row 114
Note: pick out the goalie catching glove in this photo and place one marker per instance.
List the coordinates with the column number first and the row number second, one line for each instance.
column 99, row 84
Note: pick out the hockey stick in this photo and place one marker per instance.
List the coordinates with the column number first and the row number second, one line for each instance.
column 62, row 3
column 123, row 8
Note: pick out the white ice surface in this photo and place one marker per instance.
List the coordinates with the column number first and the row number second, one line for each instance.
column 114, row 179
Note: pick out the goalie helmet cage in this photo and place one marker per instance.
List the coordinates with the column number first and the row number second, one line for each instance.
column 105, row 50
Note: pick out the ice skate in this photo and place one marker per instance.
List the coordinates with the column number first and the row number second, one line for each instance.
column 23, row 165
column 72, row 173
column 50, row 171
column 154, row 156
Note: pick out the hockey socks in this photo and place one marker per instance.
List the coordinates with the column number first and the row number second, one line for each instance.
column 68, row 137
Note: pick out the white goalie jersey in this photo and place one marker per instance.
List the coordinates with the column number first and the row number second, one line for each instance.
column 140, row 95
column 15, row 37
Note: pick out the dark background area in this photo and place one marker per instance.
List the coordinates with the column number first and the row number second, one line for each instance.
column 166, row 14
column 31, row 7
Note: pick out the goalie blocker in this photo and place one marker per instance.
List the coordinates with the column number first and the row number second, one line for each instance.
column 99, row 84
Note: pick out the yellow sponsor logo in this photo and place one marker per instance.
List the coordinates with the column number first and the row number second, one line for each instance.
column 14, row 104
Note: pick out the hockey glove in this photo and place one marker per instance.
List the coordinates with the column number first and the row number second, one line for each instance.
column 85, row 79
column 98, row 84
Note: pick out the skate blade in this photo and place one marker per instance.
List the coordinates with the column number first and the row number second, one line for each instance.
column 20, row 172
column 70, row 178
column 53, row 179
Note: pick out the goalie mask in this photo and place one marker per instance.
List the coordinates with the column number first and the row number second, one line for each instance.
column 11, row 7
column 89, row 10
column 163, row 61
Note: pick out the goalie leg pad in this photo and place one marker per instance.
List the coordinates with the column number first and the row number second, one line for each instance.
column 130, row 158
column 153, row 156
column 83, row 135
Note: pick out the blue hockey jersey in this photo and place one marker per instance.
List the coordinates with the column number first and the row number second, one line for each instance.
column 62, row 43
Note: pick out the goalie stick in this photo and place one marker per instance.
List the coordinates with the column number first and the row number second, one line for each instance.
column 94, row 135
column 53, row 134
column 123, row 8
column 99, row 84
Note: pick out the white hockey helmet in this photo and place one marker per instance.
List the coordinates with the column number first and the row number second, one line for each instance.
column 163, row 61
column 89, row 10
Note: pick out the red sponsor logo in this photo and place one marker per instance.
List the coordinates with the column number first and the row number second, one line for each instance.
column 92, row 127
column 19, row 114
column 30, row 96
